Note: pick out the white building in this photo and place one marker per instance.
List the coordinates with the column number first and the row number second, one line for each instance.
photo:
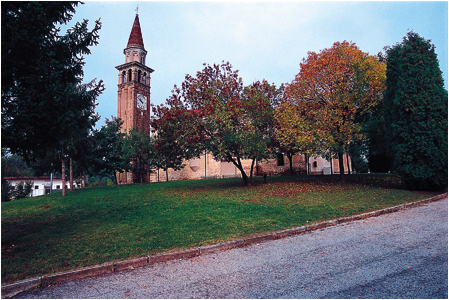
column 41, row 184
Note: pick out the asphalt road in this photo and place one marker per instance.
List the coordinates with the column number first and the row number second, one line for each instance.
column 399, row 255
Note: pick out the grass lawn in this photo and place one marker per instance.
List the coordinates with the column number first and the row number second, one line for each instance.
column 96, row 225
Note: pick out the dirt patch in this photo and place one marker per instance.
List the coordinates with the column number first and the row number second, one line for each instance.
column 293, row 192
column 193, row 192
column 44, row 206
column 252, row 200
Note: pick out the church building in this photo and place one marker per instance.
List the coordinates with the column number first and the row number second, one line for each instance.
column 133, row 107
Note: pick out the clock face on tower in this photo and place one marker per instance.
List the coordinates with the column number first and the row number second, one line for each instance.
column 141, row 101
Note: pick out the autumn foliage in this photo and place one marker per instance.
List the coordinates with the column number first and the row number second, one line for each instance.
column 322, row 107
column 215, row 113
column 173, row 135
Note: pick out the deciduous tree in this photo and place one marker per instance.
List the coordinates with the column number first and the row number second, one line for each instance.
column 106, row 157
column 174, row 139
column 294, row 131
column 232, row 122
column 334, row 89
column 138, row 152
column 14, row 166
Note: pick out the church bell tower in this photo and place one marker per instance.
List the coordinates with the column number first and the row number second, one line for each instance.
column 133, row 96
column 133, row 99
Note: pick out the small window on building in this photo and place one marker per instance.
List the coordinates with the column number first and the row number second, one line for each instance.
column 315, row 165
column 36, row 187
column 280, row 159
column 58, row 187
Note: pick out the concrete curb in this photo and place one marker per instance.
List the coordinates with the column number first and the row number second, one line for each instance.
column 9, row 290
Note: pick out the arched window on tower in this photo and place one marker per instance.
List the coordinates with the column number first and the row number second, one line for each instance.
column 124, row 76
column 144, row 78
column 139, row 73
column 130, row 75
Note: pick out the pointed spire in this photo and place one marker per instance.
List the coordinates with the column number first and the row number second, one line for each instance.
column 135, row 38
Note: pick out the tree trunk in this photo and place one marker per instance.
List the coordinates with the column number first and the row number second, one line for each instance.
column 306, row 159
column 71, row 176
column 251, row 172
column 349, row 167
column 342, row 166
column 239, row 166
column 332, row 165
column 166, row 174
column 63, row 173
column 245, row 178
column 290, row 159
column 141, row 178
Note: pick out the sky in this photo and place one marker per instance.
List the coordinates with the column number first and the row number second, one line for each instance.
column 261, row 39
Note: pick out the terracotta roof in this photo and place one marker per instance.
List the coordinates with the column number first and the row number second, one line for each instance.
column 135, row 38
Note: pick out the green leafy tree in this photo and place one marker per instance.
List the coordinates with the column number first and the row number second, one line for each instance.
column 43, row 100
column 82, row 118
column 359, row 157
column 14, row 166
column 7, row 190
column 23, row 189
column 106, row 157
column 379, row 159
column 415, row 111
column 138, row 152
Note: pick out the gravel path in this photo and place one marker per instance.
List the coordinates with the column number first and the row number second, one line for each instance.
column 399, row 255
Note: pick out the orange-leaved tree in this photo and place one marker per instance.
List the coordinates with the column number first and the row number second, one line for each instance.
column 334, row 90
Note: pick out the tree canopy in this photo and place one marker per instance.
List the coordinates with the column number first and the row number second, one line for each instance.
column 43, row 101
column 106, row 152
column 415, row 111
column 173, row 139
column 224, row 118
column 333, row 91
column 138, row 152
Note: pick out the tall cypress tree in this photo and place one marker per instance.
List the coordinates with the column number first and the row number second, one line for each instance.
column 415, row 110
